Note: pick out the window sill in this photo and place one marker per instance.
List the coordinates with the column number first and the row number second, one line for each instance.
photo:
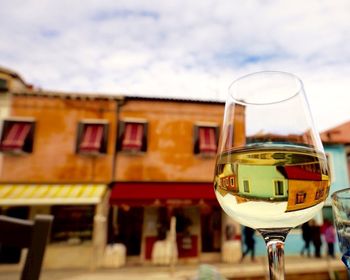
column 91, row 154
column 14, row 152
column 132, row 152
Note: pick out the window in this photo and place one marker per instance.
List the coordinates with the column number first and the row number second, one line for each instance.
column 3, row 85
column 246, row 187
column 279, row 187
column 300, row 197
column 319, row 194
column 92, row 137
column 132, row 136
column 72, row 222
column 206, row 139
column 228, row 183
column 17, row 136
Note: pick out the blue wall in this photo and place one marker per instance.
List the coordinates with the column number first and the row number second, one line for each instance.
column 339, row 168
column 294, row 241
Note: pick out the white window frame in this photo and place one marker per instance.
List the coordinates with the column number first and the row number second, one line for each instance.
column 283, row 185
column 244, row 186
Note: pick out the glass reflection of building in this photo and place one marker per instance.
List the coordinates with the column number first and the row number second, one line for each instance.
column 302, row 185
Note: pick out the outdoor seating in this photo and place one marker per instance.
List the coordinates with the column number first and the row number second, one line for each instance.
column 32, row 235
column 115, row 255
column 164, row 252
column 231, row 251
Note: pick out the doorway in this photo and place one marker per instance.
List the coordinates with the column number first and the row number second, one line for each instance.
column 211, row 230
column 129, row 229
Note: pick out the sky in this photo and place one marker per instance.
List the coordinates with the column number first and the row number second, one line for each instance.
column 180, row 49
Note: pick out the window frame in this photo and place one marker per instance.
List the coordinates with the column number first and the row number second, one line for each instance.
column 319, row 193
column 121, row 133
column 277, row 194
column 244, row 185
column 196, row 140
column 80, row 134
column 297, row 199
column 27, row 147
column 5, row 87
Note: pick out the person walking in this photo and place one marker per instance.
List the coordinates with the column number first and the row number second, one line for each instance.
column 316, row 237
column 329, row 236
column 249, row 242
column 306, row 234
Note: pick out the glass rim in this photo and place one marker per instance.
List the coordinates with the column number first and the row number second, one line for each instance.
column 336, row 193
column 290, row 96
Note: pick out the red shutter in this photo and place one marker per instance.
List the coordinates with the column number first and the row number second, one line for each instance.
column 207, row 140
column 133, row 135
column 91, row 138
column 16, row 135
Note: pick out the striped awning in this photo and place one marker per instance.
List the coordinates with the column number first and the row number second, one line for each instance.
column 55, row 194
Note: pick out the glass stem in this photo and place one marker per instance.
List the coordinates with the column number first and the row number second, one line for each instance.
column 274, row 239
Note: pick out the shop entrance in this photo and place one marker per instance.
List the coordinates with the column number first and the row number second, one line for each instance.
column 129, row 229
column 211, row 229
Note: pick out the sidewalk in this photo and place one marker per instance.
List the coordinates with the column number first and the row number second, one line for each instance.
column 304, row 268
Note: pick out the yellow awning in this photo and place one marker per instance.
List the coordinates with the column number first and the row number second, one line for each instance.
column 55, row 194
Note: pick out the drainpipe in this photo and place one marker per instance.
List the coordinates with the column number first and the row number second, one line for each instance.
column 101, row 223
column 120, row 102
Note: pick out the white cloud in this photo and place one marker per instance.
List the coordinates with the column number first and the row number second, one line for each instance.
column 182, row 48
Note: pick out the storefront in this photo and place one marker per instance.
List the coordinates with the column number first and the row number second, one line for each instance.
column 142, row 211
column 80, row 214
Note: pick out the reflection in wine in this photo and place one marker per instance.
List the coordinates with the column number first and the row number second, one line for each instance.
column 274, row 181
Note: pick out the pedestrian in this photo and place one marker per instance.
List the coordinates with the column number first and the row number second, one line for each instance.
column 306, row 234
column 329, row 236
column 316, row 237
column 249, row 242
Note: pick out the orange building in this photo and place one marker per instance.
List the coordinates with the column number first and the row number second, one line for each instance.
column 58, row 153
column 164, row 167
column 113, row 169
column 10, row 81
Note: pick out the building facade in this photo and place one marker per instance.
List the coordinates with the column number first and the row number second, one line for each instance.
column 61, row 151
column 10, row 81
column 58, row 155
column 336, row 142
column 117, row 169
column 164, row 167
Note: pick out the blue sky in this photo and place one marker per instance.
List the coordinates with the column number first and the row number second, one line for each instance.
column 186, row 49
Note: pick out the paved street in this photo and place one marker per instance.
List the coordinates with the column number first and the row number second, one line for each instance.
column 307, row 268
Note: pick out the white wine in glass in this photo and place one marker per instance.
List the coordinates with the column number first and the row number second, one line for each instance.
column 271, row 171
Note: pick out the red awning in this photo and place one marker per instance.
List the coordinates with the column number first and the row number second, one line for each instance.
column 301, row 173
column 161, row 193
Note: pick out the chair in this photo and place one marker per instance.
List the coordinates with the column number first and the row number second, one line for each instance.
column 115, row 255
column 165, row 251
column 231, row 251
column 27, row 234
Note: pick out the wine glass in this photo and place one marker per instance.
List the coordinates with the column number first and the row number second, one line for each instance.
column 341, row 215
column 271, row 172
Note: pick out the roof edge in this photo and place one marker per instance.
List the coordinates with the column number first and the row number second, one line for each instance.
column 113, row 96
